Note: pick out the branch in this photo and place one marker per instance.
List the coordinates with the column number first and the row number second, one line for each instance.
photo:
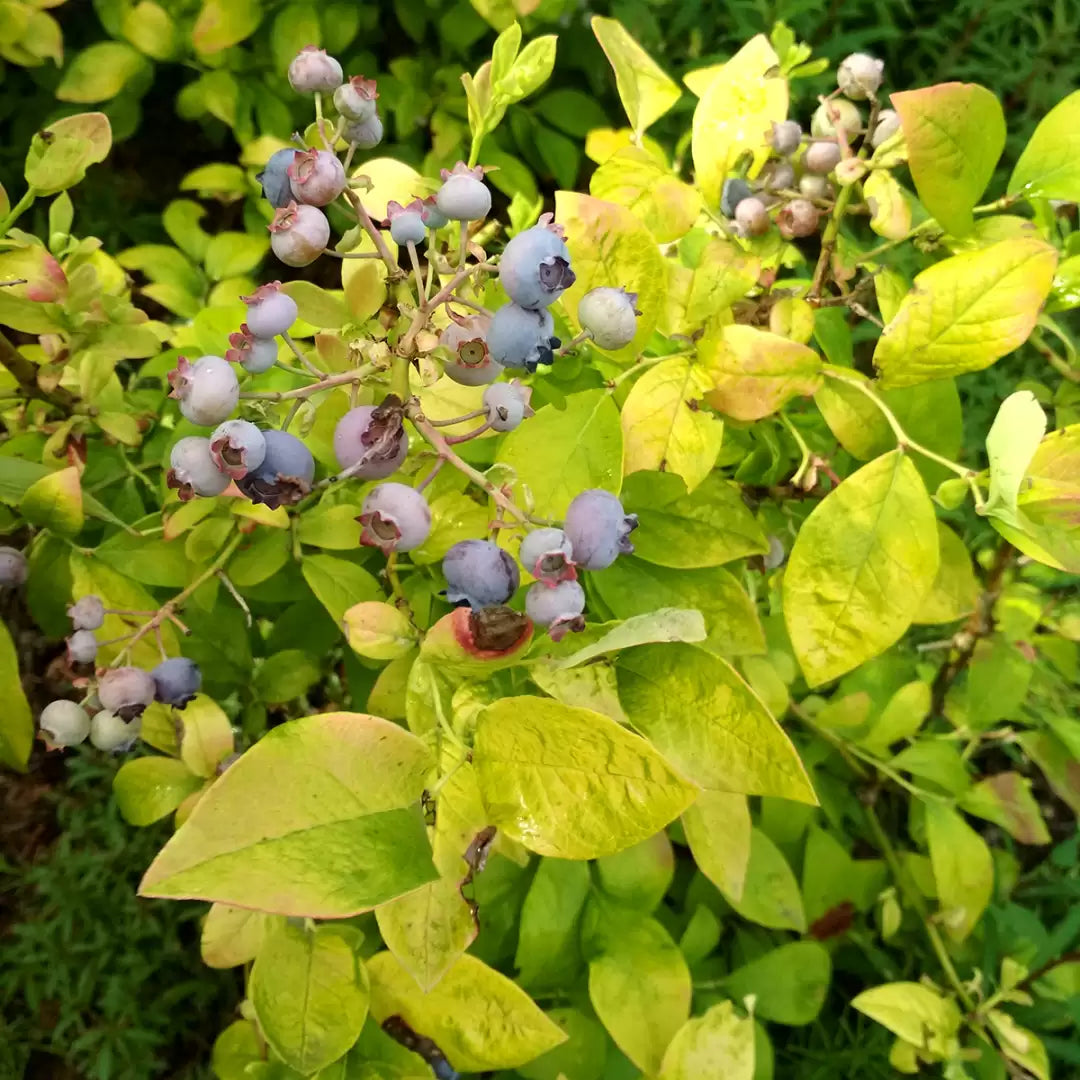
column 26, row 375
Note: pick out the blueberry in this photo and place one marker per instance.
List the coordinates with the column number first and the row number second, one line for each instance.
column 786, row 137
column 833, row 115
column 374, row 435
column 479, row 573
column 733, row 192
column 776, row 555
column 599, row 529
column 299, row 234
column 394, row 517
column 355, row 99
column 406, row 222
column 109, row 731
column 275, row 178
column 237, row 447
column 285, row 475
column 126, row 690
column 82, row 647
column 534, row 268
column 13, row 568
column 610, row 316
column 545, row 604
column 193, row 471
column 434, row 218
column 65, row 723
column 316, row 177
column 270, row 311
column 799, row 217
column 815, row 187
column 521, row 337
column 313, row 71
column 506, row 405
column 779, row 177
column 548, row 555
column 888, row 124
column 87, row 613
column 176, row 681
column 822, row 157
column 751, row 217
column 364, row 133
column 859, row 76
column 463, row 196
column 252, row 353
column 466, row 338
column 207, row 390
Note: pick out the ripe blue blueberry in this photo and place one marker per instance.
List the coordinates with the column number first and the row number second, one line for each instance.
column 13, row 569
column 507, row 404
column 355, row 99
column 270, row 311
column 822, row 157
column 87, row 613
column 733, row 192
column 316, row 177
column 394, row 517
column 522, row 337
column 466, row 338
column 751, row 217
column 285, row 475
column 406, row 222
column 786, row 137
column 126, row 690
column 548, row 555
column 599, row 529
column 479, row 573
column 888, row 124
column 546, row 604
column 463, row 196
column 252, row 353
column 109, row 731
column 370, row 440
column 312, row 71
column 207, row 389
column 610, row 316
column 534, row 267
column 364, row 133
column 82, row 647
column 299, row 234
column 176, row 681
column 275, row 178
column 237, row 447
column 859, row 76
column 193, row 471
column 64, row 723
column 434, row 218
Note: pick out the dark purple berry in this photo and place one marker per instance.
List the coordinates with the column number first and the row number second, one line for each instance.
column 479, row 573
column 275, row 178
column 285, row 475
column 176, row 681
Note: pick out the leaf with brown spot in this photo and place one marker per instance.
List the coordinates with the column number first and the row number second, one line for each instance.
column 1006, row 800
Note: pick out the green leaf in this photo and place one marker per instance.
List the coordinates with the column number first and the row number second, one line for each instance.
column 918, row 1014
column 148, row 788
column 1049, row 167
column 508, row 1030
column 720, row 1043
column 150, row 28
column 223, row 23
column 938, row 762
column 645, row 91
column 955, row 133
column 310, row 993
column 963, row 869
column 770, row 895
column 379, row 631
column 99, row 72
column 237, row 1047
column 901, row 718
column 717, row 829
column 997, row 682
column 55, row 502
column 569, row 782
column 286, row 676
column 1057, row 763
column 232, row 254
column 339, row 584
column 666, row 624
column 529, row 71
column 710, row 527
column 1006, row 800
column 16, row 722
column 861, row 564
column 708, row 723
column 146, row 559
column 664, row 427
column 232, row 936
column 334, row 528
column 754, row 373
column 548, row 950
column 789, row 984
column 966, row 311
column 320, row 307
column 638, row 877
column 566, row 451
column 955, row 591
column 583, row 1055
column 344, row 834
column 377, row 1056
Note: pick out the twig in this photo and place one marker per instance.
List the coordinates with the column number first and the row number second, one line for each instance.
column 235, row 595
column 287, row 338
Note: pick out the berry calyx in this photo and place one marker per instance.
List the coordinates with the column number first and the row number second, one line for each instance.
column 466, row 338
column 370, row 440
column 534, row 268
column 548, row 555
column 316, row 177
column 285, row 475
column 237, row 447
column 254, row 354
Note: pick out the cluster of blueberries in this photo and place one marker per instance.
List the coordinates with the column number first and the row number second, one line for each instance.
column 835, row 122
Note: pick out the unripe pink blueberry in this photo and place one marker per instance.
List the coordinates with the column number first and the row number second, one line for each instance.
column 82, row 647
column 364, row 133
column 111, row 732
column 610, row 316
column 355, row 99
column 799, row 217
column 370, row 440
column 237, row 447
column 299, row 234
column 548, row 555
column 270, row 311
column 87, row 613
column 888, row 124
column 822, row 157
column 316, row 177
column 562, row 603
column 312, row 70
column 254, row 354
column 786, row 137
column 207, row 390
column 507, row 404
column 394, row 517
column 466, row 338
column 64, row 723
column 125, row 690
column 860, row 75
column 463, row 196
column 13, row 568
column 193, row 471
column 780, row 176
column 406, row 223
column 751, row 217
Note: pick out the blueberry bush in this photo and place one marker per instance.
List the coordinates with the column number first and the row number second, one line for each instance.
column 589, row 640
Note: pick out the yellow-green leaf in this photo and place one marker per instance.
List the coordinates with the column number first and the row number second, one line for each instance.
column 150, row 28
column 1014, row 436
column 16, row 722
column 222, row 23
column 317, row 306
column 770, row 894
column 231, row 936
column 1006, row 800
column 966, row 311
column 99, row 72
column 1021, row 1045
column 569, row 782
column 917, row 1013
column 1049, row 167
column 717, row 829
column 55, row 502
column 477, row 1017
column 700, row 296
column 955, row 590
column 789, row 984
column 963, row 869
column 890, row 212
column 860, row 566
column 720, row 1043
column 148, row 788
column 207, row 737
column 379, row 631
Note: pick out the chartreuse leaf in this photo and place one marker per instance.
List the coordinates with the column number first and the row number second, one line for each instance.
column 955, row 133
column 379, row 631
column 55, row 502
column 232, row 936
column 720, row 1043
column 735, row 115
column 754, row 373
column 16, row 722
column 717, row 829
column 966, row 311
column 427, row 930
column 963, row 869
column 207, row 736
column 1049, row 167
column 700, row 295
column 477, row 1017
column 955, row 590
column 237, row 1047
column 860, row 566
column 567, row 451
column 609, row 245
column 1011, row 443
column 583, row 1055
column 890, row 209
column 310, row 992
column 1020, row 1045
column 664, row 427
column 338, row 583
column 223, row 23
column 148, row 788
column 99, row 72
column 548, row 950
column 645, row 91
column 789, row 984
column 569, row 782
column 708, row 723
column 1006, row 800
column 917, row 1013
column 344, row 834
column 665, row 624
column 639, row 983
column 901, row 718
